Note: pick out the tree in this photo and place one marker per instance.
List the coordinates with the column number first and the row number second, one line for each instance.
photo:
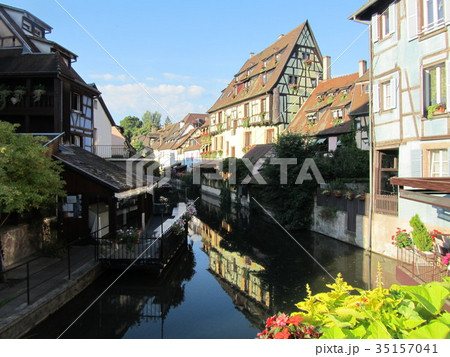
column 29, row 179
column 291, row 202
column 131, row 126
column 167, row 121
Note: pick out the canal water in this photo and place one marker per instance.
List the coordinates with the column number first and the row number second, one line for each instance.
column 237, row 270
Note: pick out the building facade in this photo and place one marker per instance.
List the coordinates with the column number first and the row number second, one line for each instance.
column 409, row 117
column 265, row 94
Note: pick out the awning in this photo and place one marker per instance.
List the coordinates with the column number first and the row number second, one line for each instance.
column 428, row 190
column 135, row 192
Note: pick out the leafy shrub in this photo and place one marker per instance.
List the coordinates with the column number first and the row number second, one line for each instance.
column 400, row 312
column 401, row 238
column 420, row 235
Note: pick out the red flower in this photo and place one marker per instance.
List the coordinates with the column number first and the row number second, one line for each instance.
column 283, row 334
column 262, row 333
column 282, row 320
column 295, row 320
column 270, row 321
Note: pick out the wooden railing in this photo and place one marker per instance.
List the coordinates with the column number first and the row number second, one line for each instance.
column 386, row 204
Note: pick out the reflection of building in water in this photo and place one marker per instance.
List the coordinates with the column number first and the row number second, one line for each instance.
column 238, row 270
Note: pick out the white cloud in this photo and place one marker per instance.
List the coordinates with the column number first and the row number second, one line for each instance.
column 110, row 77
column 134, row 99
column 173, row 76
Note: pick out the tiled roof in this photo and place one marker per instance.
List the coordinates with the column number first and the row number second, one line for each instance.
column 195, row 118
column 284, row 47
column 95, row 167
column 331, row 98
column 258, row 151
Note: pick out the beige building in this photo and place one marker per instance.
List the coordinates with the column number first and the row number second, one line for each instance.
column 265, row 94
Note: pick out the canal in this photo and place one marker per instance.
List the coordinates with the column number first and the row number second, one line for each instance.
column 237, row 270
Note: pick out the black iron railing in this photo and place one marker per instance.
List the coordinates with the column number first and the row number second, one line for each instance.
column 29, row 280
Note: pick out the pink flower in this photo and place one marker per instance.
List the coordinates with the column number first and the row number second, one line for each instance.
column 282, row 320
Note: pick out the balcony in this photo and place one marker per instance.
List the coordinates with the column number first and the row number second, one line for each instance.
column 113, row 151
column 386, row 204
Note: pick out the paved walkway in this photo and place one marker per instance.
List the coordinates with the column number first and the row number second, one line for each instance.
column 45, row 276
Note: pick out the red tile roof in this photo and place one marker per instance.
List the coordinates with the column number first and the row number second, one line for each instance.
column 331, row 98
column 255, row 64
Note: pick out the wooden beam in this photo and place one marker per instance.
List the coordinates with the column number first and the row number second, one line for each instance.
column 443, row 202
column 440, row 184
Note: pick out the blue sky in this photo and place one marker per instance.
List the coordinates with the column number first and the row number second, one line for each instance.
column 181, row 54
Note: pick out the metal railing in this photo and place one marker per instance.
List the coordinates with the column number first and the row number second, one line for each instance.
column 113, row 151
column 32, row 278
column 147, row 250
column 425, row 267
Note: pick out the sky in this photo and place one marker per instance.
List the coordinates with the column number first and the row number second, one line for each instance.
column 176, row 56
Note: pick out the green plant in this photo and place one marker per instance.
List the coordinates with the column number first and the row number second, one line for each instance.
column 349, row 195
column 18, row 93
column 420, row 235
column 5, row 92
column 38, row 91
column 401, row 238
column 129, row 236
column 440, row 107
column 400, row 312
column 246, row 122
column 328, row 213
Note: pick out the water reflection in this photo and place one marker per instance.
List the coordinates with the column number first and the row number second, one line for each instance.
column 134, row 299
column 238, row 270
column 266, row 271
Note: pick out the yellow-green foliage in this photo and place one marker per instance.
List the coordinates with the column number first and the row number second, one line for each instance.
column 397, row 312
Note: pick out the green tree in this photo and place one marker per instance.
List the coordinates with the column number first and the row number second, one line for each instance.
column 29, row 178
column 291, row 202
column 167, row 121
column 131, row 126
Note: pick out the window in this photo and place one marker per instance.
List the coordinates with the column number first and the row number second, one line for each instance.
column 388, row 167
column 233, row 151
column 292, row 80
column 433, row 13
column 385, row 23
column 435, row 86
column 76, row 102
column 439, row 163
column 26, row 25
column 270, row 136
column 246, row 110
column 220, row 118
column 305, row 56
column 264, row 78
column 263, row 105
column 313, row 82
column 387, row 95
column 247, row 138
column 37, row 31
column 255, row 108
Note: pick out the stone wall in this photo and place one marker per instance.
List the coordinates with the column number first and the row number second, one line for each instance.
column 18, row 243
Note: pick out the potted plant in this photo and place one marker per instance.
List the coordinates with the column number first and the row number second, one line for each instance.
column 129, row 236
column 349, row 195
column 326, row 192
column 5, row 92
column 18, row 93
column 436, row 109
column 402, row 239
column 361, row 196
column 38, row 91
column 246, row 122
column 421, row 237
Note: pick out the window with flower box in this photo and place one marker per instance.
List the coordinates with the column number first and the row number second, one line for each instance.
column 435, row 89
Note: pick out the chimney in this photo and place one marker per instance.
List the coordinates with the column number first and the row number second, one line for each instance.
column 326, row 67
column 154, row 129
column 281, row 36
column 252, row 54
column 362, row 67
